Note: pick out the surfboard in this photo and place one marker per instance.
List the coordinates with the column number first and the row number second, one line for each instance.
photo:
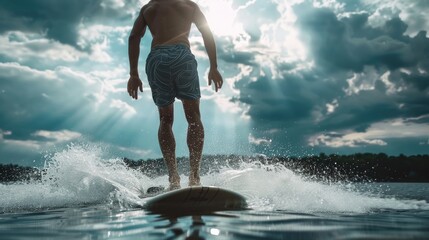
column 196, row 200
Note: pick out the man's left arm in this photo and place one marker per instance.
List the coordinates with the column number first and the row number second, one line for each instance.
column 200, row 21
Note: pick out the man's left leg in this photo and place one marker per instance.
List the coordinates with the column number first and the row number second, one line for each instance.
column 168, row 144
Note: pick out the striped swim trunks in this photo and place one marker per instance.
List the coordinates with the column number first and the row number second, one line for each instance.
column 172, row 73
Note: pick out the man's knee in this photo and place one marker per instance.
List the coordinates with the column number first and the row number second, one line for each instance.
column 192, row 110
column 166, row 115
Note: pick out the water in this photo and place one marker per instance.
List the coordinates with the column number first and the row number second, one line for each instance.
column 85, row 196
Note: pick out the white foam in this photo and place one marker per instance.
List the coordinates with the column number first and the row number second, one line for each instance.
column 79, row 175
column 274, row 187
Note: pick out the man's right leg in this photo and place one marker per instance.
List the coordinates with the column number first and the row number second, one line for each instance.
column 168, row 144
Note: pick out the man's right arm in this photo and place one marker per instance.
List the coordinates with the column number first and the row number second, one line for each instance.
column 137, row 32
column 209, row 43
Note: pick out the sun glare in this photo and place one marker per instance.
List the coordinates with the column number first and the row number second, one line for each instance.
column 220, row 16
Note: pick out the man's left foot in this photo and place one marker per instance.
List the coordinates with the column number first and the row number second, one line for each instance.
column 194, row 182
column 174, row 186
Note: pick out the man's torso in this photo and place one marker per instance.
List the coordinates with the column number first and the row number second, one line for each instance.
column 169, row 21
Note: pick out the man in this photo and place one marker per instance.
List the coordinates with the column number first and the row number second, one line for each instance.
column 172, row 73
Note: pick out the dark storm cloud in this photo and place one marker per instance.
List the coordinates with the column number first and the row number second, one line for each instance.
column 59, row 20
column 277, row 100
column 360, row 110
column 227, row 53
column 297, row 100
column 350, row 44
column 289, row 99
column 413, row 12
column 237, row 57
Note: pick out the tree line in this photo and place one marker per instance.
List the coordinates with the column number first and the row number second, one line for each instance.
column 355, row 167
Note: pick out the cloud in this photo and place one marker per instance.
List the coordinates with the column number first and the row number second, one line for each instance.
column 360, row 75
column 132, row 152
column 373, row 135
column 28, row 92
column 60, row 98
column 40, row 138
column 325, row 74
column 18, row 150
column 41, row 142
column 412, row 12
column 19, row 45
column 47, row 32
column 30, row 47
column 57, row 136
column 334, row 141
column 37, row 104
column 256, row 13
column 4, row 133
column 12, row 69
column 350, row 43
column 258, row 141
column 59, row 20
column 122, row 106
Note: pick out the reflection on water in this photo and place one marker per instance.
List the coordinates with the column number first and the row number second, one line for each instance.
column 101, row 222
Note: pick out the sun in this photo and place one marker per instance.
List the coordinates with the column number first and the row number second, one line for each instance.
column 220, row 16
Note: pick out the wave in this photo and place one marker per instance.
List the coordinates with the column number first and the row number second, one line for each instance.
column 79, row 175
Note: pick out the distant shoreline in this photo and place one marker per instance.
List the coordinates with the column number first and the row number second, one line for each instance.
column 360, row 167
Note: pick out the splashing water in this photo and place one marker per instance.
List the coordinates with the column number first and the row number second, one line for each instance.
column 79, row 176
column 274, row 187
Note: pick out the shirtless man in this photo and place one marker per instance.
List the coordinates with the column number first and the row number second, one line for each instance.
column 172, row 73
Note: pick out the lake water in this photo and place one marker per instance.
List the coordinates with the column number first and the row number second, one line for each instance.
column 83, row 196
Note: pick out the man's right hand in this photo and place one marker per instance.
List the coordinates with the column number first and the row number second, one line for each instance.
column 134, row 83
column 215, row 76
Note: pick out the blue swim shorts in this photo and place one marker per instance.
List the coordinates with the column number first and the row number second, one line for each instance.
column 172, row 73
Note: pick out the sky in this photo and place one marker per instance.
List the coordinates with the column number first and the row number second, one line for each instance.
column 301, row 77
